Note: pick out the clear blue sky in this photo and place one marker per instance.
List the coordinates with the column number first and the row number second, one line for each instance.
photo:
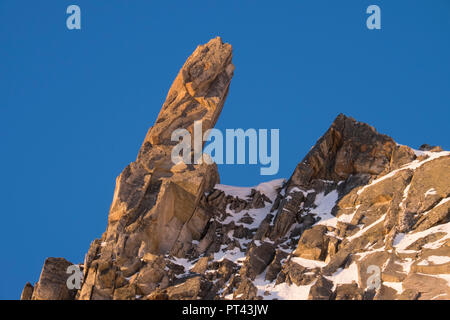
column 75, row 105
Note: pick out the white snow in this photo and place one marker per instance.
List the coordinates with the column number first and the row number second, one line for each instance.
column 397, row 286
column 439, row 204
column 445, row 277
column 412, row 165
column 363, row 254
column 268, row 188
column 344, row 276
column 290, row 292
column 240, row 192
column 405, row 196
column 406, row 240
column 423, row 263
column 363, row 230
column 229, row 296
column 398, row 238
column 235, row 255
column 297, row 189
column 419, row 153
column 324, row 204
column 257, row 215
column 282, row 291
column 438, row 296
column 187, row 265
column 406, row 264
column 347, row 218
column 430, row 192
column 437, row 259
column 310, row 264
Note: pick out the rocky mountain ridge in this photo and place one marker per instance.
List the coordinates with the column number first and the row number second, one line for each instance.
column 361, row 217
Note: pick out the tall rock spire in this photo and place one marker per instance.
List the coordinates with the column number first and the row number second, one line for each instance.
column 198, row 92
column 156, row 206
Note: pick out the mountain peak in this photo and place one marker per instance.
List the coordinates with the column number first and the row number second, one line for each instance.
column 347, row 148
column 357, row 201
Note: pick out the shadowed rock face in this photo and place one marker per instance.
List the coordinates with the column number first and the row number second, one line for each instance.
column 357, row 201
column 153, row 194
column 348, row 148
column 27, row 292
column 52, row 282
column 156, row 207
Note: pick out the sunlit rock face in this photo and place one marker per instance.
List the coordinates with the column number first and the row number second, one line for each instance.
column 361, row 217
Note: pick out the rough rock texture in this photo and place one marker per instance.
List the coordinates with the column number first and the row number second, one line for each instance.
column 361, row 217
column 27, row 292
column 52, row 283
column 347, row 148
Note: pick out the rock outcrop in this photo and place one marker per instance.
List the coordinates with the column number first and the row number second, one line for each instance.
column 361, row 217
column 157, row 206
column 52, row 283
column 350, row 148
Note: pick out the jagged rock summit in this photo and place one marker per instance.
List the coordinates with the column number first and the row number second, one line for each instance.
column 350, row 148
column 361, row 217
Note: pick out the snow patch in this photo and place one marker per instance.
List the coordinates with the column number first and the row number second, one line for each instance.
column 362, row 231
column 407, row 240
column 282, row 291
column 324, row 204
column 344, row 276
column 412, row 165
column 187, row 265
column 310, row 264
column 439, row 204
column 347, row 218
column 438, row 259
column 430, row 192
column 268, row 188
column 397, row 286
column 406, row 264
column 235, row 255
